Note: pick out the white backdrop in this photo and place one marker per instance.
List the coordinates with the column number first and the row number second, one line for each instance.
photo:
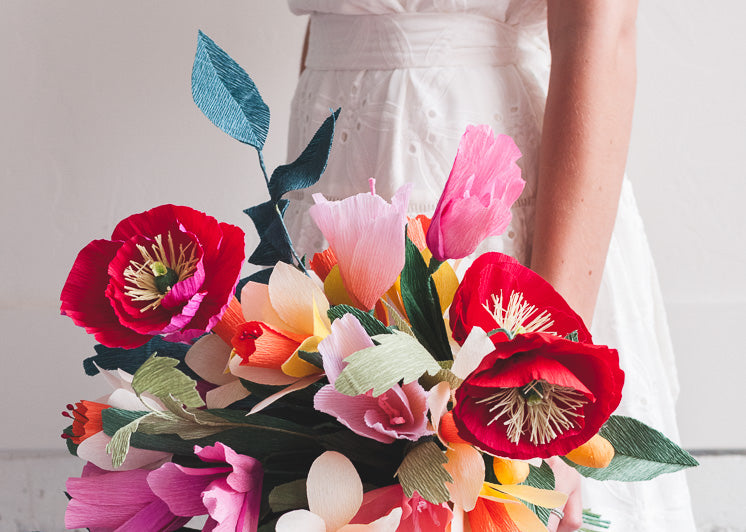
column 98, row 123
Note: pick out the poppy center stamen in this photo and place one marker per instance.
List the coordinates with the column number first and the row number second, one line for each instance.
column 161, row 268
column 539, row 411
column 517, row 315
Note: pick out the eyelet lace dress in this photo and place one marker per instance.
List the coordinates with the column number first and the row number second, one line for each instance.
column 410, row 75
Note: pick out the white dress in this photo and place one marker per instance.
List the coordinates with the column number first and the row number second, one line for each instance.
column 409, row 76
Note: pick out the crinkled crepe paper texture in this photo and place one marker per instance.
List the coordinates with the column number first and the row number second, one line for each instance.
column 423, row 470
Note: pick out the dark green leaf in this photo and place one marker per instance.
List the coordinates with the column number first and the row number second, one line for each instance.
column 312, row 357
column 573, row 336
column 225, row 93
column 369, row 322
column 289, row 496
column 642, row 453
column 308, row 167
column 423, row 305
column 273, row 243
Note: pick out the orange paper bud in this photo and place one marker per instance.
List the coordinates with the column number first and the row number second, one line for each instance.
column 510, row 471
column 596, row 452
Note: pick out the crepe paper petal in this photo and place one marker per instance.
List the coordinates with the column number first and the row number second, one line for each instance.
column 422, row 471
column 539, row 497
column 482, row 186
column 229, row 322
column 494, row 274
column 306, row 170
column 370, row 323
column 422, row 304
column 491, row 515
column 335, row 290
column 466, row 466
column 293, row 296
column 460, row 522
column 256, row 306
column 295, row 366
column 475, row 348
column 270, row 376
column 366, row 235
column 437, row 402
column 335, row 491
column 397, row 358
column 323, row 262
column 225, row 93
column 227, row 394
column 181, row 487
column 155, row 516
column 417, row 229
column 387, row 523
column 298, row 385
column 347, row 337
column 273, row 245
column 259, row 345
column 93, row 450
column 208, row 357
column 158, row 376
column 641, row 452
column 525, row 519
column 301, row 520
column 446, row 282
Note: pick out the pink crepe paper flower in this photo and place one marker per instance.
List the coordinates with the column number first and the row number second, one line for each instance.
column 230, row 492
column 105, row 501
column 418, row 515
column 483, row 185
column 170, row 270
column 398, row 413
column 366, row 234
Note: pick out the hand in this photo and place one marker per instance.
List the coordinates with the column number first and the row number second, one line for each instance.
column 566, row 480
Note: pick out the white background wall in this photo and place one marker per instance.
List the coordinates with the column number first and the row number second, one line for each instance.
column 98, row 123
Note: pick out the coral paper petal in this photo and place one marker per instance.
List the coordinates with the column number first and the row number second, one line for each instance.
column 208, row 357
column 524, row 518
column 227, row 394
column 292, row 295
column 271, row 376
column 466, row 466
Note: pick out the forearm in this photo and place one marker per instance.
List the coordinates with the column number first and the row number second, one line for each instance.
column 584, row 143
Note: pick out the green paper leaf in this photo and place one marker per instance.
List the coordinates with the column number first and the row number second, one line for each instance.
column 542, row 478
column 308, row 167
column 422, row 304
column 369, row 322
column 119, row 445
column 398, row 320
column 422, row 471
column 158, row 376
column 289, row 496
column 573, row 336
column 642, row 453
column 188, row 426
column 398, row 357
column 225, row 93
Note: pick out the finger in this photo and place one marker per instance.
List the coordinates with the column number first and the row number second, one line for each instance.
column 553, row 523
column 573, row 518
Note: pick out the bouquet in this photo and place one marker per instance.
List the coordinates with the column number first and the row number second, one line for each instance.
column 367, row 387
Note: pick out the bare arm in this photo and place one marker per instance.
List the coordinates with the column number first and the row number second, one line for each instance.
column 584, row 143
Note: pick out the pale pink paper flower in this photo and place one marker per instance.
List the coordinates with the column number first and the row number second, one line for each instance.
column 366, row 234
column 103, row 501
column 335, row 493
column 399, row 413
column 418, row 515
column 483, row 185
column 230, row 492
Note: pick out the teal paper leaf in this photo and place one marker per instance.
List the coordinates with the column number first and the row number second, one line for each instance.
column 422, row 471
column 423, row 305
column 225, row 93
column 130, row 360
column 397, row 358
column 369, row 322
column 308, row 167
column 273, row 243
column 642, row 453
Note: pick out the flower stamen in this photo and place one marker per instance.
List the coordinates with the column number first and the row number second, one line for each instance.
column 518, row 316
column 540, row 411
column 161, row 268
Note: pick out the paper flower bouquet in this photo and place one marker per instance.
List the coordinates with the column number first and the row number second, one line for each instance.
column 364, row 388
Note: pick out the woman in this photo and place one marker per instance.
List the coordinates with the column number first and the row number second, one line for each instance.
column 411, row 74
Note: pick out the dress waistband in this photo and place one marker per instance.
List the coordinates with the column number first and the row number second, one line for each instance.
column 408, row 40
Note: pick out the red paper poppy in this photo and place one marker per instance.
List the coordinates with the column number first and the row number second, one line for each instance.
column 538, row 395
column 499, row 292
column 170, row 270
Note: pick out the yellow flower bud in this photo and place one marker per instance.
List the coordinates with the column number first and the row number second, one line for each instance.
column 596, row 452
column 510, row 471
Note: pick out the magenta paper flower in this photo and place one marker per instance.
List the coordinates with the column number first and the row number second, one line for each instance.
column 366, row 234
column 170, row 270
column 483, row 185
column 105, row 501
column 418, row 515
column 398, row 413
column 230, row 492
